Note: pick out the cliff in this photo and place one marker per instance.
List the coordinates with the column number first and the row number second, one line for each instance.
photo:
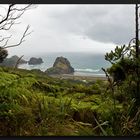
column 60, row 66
column 35, row 61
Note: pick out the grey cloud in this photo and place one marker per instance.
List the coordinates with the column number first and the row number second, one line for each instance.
column 103, row 23
column 113, row 33
column 75, row 28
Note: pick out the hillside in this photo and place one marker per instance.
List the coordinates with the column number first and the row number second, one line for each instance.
column 34, row 104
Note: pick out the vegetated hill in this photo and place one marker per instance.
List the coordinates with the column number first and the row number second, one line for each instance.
column 34, row 104
column 11, row 62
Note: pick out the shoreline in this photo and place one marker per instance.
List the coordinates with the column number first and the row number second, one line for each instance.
column 79, row 77
column 76, row 76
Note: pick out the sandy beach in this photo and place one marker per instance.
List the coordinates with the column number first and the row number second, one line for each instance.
column 79, row 77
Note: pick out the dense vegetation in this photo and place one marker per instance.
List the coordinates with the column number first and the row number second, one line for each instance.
column 32, row 103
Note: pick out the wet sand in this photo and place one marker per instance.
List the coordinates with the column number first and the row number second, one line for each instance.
column 79, row 77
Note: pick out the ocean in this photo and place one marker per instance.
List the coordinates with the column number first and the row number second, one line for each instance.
column 85, row 64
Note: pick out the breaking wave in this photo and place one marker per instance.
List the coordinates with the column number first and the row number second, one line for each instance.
column 87, row 70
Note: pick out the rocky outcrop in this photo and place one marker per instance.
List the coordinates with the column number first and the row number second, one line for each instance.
column 60, row 66
column 35, row 61
column 10, row 62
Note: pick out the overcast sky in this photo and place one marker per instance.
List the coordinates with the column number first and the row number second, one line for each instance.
column 75, row 28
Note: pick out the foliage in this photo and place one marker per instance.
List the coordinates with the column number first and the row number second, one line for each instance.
column 32, row 103
column 35, row 104
column 125, row 73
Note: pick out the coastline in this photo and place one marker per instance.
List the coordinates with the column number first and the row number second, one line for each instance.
column 76, row 76
column 79, row 77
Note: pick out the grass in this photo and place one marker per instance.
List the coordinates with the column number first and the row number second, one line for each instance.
column 33, row 104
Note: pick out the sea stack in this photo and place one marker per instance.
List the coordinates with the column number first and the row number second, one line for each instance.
column 60, row 66
column 35, row 61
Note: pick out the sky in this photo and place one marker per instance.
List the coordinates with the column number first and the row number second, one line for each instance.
column 74, row 28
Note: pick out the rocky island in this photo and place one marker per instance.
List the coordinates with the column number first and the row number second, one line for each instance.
column 60, row 66
column 11, row 62
column 35, row 61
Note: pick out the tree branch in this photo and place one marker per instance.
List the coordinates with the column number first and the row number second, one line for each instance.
column 21, row 40
column 8, row 12
column 5, row 38
column 17, row 63
column 12, row 14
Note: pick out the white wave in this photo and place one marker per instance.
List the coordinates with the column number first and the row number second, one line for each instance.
column 87, row 70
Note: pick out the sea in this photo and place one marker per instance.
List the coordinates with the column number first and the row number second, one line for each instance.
column 84, row 63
